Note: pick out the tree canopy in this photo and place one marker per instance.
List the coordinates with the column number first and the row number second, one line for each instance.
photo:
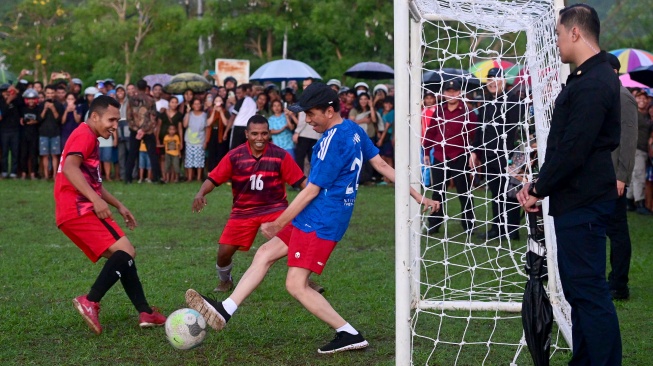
column 127, row 39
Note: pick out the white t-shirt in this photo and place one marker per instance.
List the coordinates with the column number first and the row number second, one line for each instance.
column 106, row 142
column 246, row 111
column 162, row 103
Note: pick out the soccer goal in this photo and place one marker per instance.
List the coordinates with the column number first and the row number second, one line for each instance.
column 458, row 295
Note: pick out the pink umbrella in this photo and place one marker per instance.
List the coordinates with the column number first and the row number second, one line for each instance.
column 630, row 83
column 632, row 58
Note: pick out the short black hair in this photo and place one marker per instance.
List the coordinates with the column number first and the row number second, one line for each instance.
column 584, row 17
column 61, row 87
column 101, row 104
column 37, row 82
column 245, row 87
column 257, row 119
column 157, row 84
column 50, row 86
column 141, row 85
column 389, row 99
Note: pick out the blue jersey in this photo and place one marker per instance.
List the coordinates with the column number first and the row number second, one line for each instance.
column 336, row 163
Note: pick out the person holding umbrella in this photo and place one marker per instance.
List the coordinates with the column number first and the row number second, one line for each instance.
column 580, row 182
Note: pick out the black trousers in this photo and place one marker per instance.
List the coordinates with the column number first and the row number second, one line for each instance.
column 29, row 154
column 581, row 240
column 215, row 151
column 237, row 136
column 456, row 170
column 620, row 248
column 496, row 178
column 10, row 141
column 303, row 150
column 132, row 157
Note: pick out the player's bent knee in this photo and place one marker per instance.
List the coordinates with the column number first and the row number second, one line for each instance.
column 122, row 244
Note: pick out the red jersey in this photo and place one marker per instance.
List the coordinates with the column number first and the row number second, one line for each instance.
column 258, row 184
column 449, row 133
column 69, row 203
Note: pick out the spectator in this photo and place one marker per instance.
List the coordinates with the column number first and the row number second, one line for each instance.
column 638, row 180
column 281, row 128
column 288, row 95
column 348, row 105
column 449, row 131
column 144, row 164
column 361, row 87
column 494, row 141
column 364, row 115
column 195, row 123
column 107, row 155
column 50, row 132
column 245, row 108
column 623, row 160
column 131, row 90
column 262, row 106
column 380, row 92
column 29, row 144
column 385, row 141
column 60, row 94
column 172, row 146
column 71, row 118
column 11, row 105
column 123, row 131
column 335, row 84
column 218, row 144
column 161, row 103
column 141, row 116
column 579, row 180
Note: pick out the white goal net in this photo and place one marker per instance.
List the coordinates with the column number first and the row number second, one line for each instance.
column 459, row 288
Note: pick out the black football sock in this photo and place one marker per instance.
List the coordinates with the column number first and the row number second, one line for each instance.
column 132, row 285
column 108, row 276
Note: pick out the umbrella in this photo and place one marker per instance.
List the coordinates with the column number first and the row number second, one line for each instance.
column 284, row 70
column 154, row 79
column 632, row 58
column 187, row 80
column 431, row 77
column 630, row 83
column 643, row 75
column 371, row 70
column 6, row 76
column 536, row 311
column 480, row 69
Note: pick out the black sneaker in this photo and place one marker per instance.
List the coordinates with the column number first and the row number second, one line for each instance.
column 620, row 294
column 344, row 342
column 212, row 311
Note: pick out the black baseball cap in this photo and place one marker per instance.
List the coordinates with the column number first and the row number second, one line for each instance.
column 316, row 94
column 495, row 72
column 452, row 84
column 614, row 61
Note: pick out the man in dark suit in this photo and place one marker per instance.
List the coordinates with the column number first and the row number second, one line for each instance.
column 580, row 181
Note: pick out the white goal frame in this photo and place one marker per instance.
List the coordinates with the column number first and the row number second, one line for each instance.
column 408, row 63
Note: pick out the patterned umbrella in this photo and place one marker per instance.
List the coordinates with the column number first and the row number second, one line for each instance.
column 187, row 80
column 154, row 79
column 630, row 83
column 480, row 69
column 632, row 58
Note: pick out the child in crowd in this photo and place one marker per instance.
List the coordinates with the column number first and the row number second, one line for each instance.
column 144, row 164
column 172, row 145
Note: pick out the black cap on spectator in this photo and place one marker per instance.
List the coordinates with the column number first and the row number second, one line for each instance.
column 4, row 87
column 316, row 94
column 452, row 84
column 614, row 61
column 495, row 72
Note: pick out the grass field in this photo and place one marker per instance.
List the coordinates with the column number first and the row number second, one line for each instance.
column 43, row 271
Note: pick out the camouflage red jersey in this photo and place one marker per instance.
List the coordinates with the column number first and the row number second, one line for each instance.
column 69, row 203
column 258, row 184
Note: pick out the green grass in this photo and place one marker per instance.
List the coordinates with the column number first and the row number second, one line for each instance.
column 42, row 271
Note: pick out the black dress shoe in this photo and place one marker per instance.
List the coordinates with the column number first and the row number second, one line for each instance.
column 492, row 234
column 620, row 294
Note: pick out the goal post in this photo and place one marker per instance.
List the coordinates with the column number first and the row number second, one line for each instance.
column 453, row 290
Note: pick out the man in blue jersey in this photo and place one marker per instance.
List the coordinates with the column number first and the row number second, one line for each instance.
column 315, row 221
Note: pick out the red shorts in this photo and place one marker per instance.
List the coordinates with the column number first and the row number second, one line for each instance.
column 306, row 250
column 92, row 235
column 241, row 232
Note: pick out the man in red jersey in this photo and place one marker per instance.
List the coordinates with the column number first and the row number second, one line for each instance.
column 258, row 172
column 83, row 214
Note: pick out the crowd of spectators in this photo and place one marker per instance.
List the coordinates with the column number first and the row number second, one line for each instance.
column 186, row 137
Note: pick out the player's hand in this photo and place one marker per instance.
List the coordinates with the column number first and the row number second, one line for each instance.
column 430, row 205
column 130, row 221
column 427, row 160
column 102, row 210
column 526, row 200
column 139, row 134
column 198, row 203
column 270, row 229
column 621, row 186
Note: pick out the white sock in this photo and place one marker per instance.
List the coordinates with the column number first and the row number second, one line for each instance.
column 347, row 328
column 230, row 306
column 224, row 273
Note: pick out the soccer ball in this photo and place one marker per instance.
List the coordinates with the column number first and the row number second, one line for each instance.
column 185, row 329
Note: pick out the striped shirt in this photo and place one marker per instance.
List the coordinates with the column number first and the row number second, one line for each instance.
column 258, row 184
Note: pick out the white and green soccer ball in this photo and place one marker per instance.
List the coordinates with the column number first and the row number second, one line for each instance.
column 185, row 329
